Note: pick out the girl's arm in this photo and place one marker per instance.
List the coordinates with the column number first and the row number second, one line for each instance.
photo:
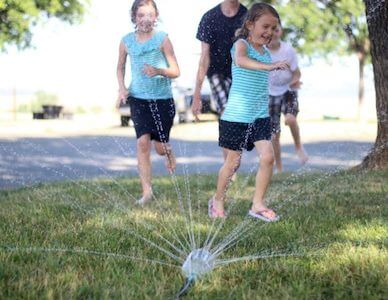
column 242, row 60
column 173, row 69
column 123, row 91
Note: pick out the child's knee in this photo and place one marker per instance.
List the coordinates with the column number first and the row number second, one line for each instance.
column 161, row 148
column 160, row 151
column 232, row 165
column 290, row 120
column 267, row 158
column 143, row 145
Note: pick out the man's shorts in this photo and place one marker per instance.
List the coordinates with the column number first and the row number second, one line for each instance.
column 286, row 104
column 238, row 136
column 220, row 87
column 154, row 117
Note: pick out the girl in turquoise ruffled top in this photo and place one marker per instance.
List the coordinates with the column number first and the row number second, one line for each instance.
column 153, row 65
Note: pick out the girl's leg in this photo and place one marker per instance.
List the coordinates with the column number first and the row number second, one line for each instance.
column 277, row 151
column 264, row 174
column 144, row 164
column 224, row 155
column 230, row 166
column 165, row 149
column 290, row 120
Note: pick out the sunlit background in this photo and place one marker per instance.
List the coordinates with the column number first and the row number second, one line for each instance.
column 77, row 65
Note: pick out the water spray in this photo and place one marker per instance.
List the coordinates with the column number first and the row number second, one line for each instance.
column 198, row 263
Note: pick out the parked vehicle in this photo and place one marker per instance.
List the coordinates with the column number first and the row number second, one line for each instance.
column 125, row 114
column 183, row 98
column 48, row 112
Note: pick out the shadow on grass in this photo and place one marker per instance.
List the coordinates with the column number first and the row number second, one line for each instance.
column 334, row 220
column 30, row 161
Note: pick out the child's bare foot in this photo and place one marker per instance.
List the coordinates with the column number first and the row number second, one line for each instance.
column 302, row 155
column 170, row 163
column 215, row 209
column 145, row 199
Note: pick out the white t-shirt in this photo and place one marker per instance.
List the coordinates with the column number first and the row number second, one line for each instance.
column 279, row 80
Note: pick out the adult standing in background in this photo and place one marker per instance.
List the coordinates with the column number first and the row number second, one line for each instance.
column 216, row 32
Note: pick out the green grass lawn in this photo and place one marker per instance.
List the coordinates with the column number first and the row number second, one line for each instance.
column 87, row 239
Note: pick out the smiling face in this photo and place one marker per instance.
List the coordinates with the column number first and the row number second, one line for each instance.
column 262, row 30
column 145, row 18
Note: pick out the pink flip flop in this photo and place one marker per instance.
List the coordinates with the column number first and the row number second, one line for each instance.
column 213, row 212
column 261, row 215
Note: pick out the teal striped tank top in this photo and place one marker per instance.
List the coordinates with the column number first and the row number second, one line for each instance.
column 148, row 52
column 248, row 96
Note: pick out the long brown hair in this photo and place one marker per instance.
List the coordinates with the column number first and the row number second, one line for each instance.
column 253, row 14
column 137, row 3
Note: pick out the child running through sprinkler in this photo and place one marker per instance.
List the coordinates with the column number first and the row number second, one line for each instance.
column 153, row 65
column 283, row 97
column 245, row 123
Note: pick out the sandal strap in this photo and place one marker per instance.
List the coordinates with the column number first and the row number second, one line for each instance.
column 217, row 212
column 265, row 210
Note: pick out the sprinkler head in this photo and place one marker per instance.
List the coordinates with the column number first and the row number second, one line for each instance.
column 198, row 263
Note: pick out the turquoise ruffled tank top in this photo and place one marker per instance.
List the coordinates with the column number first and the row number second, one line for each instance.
column 148, row 52
column 248, row 96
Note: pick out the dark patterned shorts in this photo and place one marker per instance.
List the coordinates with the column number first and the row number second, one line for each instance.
column 286, row 104
column 238, row 136
column 154, row 117
column 220, row 87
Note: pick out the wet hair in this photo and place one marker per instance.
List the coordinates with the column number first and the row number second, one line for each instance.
column 254, row 13
column 137, row 3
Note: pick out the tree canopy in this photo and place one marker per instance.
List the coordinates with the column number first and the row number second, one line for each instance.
column 18, row 17
column 323, row 27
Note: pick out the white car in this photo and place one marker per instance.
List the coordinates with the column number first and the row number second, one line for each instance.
column 184, row 97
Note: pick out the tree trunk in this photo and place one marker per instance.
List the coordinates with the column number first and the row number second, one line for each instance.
column 361, row 83
column 377, row 18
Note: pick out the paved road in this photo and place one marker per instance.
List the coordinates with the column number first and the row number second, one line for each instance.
column 26, row 161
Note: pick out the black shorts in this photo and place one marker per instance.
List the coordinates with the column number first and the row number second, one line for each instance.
column 154, row 117
column 238, row 136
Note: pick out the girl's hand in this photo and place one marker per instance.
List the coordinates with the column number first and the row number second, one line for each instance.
column 151, row 71
column 281, row 65
column 123, row 95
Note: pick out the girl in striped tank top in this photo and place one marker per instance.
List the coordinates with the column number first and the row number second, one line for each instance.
column 245, row 123
column 153, row 64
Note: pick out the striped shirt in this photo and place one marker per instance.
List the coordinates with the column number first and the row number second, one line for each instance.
column 248, row 96
column 148, row 52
